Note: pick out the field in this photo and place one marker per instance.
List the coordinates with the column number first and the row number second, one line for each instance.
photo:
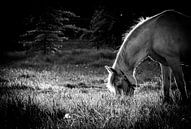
column 67, row 91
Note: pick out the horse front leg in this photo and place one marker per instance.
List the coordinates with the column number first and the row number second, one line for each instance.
column 179, row 77
column 166, row 82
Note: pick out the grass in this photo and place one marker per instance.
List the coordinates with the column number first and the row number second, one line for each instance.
column 67, row 91
column 87, row 57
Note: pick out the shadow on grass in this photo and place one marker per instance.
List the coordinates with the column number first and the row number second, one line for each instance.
column 5, row 89
column 149, row 88
column 81, row 85
column 166, row 117
column 18, row 114
column 10, row 57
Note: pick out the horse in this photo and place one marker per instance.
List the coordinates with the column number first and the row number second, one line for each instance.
column 165, row 38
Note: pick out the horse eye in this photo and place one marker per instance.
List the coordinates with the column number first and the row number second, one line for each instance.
column 117, row 83
column 119, row 86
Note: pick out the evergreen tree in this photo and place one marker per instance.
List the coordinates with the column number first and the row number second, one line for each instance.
column 47, row 31
column 104, row 27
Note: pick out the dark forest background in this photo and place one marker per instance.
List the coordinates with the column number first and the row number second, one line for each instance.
column 46, row 25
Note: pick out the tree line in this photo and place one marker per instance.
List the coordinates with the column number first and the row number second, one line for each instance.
column 48, row 31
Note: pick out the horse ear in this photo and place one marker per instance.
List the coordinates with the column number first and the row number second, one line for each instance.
column 110, row 69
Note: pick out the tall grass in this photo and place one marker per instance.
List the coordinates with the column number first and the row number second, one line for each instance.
column 67, row 91
column 15, row 113
column 74, row 110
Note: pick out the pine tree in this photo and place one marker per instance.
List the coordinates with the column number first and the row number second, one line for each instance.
column 47, row 31
column 103, row 27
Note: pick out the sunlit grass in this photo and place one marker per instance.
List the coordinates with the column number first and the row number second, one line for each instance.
column 40, row 94
column 74, row 108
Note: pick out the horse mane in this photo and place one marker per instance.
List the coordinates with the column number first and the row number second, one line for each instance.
column 142, row 20
column 133, row 31
column 138, row 23
column 122, row 51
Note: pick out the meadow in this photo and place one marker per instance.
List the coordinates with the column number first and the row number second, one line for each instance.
column 67, row 91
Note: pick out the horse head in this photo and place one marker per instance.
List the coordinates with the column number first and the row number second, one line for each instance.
column 118, row 83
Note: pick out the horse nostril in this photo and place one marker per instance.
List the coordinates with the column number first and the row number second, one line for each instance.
column 119, row 86
column 133, row 86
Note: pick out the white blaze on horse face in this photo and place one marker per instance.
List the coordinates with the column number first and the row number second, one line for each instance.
column 109, row 84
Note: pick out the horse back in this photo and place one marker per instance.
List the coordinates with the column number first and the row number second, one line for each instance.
column 171, row 36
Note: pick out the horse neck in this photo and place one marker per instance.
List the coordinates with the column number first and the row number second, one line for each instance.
column 121, row 64
column 126, row 60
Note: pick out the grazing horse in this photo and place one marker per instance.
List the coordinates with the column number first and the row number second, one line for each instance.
column 165, row 38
